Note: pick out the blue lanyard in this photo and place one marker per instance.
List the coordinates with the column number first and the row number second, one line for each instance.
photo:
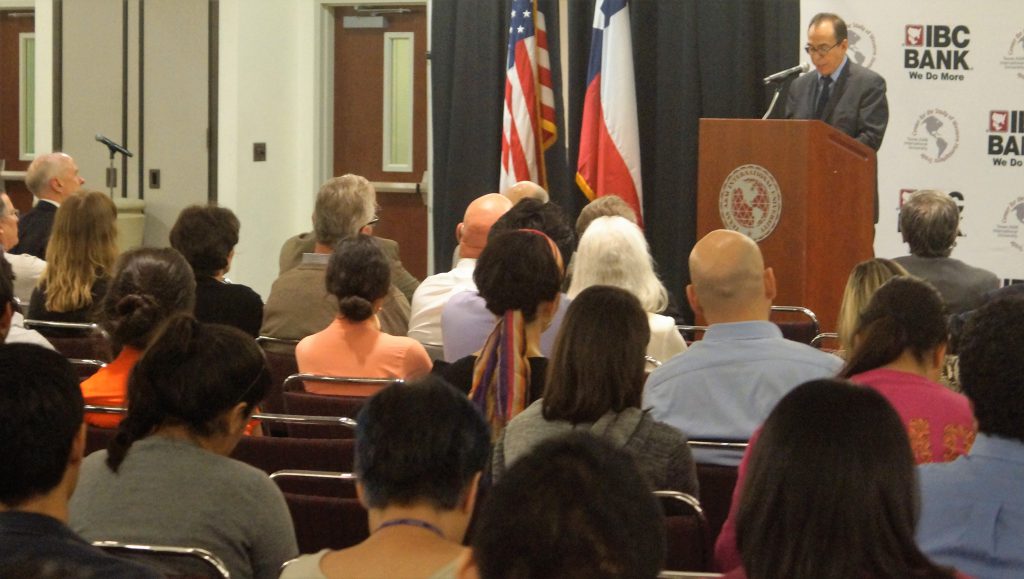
column 412, row 523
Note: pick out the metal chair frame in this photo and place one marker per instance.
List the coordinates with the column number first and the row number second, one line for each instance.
column 202, row 554
column 817, row 340
column 304, row 377
column 786, row 309
column 285, row 418
column 315, row 474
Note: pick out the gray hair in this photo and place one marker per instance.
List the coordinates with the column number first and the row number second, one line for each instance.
column 42, row 169
column 344, row 205
column 930, row 222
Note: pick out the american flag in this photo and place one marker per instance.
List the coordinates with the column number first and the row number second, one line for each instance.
column 528, row 120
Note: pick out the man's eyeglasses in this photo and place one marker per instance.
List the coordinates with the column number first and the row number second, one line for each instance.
column 374, row 221
column 820, row 50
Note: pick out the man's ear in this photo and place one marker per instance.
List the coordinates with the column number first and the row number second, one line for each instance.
column 770, row 290
column 465, row 566
column 78, row 446
column 361, row 494
column 458, row 233
column 691, row 297
column 469, row 500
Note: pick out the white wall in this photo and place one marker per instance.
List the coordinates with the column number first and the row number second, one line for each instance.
column 267, row 94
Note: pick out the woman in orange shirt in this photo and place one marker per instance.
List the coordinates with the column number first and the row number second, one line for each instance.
column 353, row 345
column 149, row 285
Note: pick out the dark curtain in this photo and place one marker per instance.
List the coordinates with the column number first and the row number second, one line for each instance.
column 467, row 58
column 693, row 59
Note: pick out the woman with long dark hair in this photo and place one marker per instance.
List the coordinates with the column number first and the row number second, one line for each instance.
column 831, row 491
column 166, row 478
column 595, row 384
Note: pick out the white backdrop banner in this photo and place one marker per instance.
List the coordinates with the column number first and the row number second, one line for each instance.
column 955, row 77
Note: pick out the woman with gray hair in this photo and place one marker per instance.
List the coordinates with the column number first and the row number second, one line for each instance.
column 613, row 252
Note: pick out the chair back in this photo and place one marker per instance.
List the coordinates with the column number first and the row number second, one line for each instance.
column 73, row 340
column 327, row 522
column 301, row 403
column 272, row 454
column 97, row 438
column 85, row 367
column 717, row 483
column 172, row 561
column 351, row 386
column 317, row 483
column 687, row 575
column 688, row 537
column 280, row 356
column 797, row 323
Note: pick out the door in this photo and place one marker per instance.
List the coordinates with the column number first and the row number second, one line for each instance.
column 17, row 68
column 380, row 116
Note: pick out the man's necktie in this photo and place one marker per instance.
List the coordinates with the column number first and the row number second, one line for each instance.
column 819, row 108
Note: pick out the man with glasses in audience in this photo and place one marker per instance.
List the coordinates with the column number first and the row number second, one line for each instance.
column 839, row 92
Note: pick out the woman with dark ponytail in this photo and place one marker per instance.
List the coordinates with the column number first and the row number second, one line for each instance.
column 148, row 286
column 166, row 477
column 358, row 275
column 899, row 348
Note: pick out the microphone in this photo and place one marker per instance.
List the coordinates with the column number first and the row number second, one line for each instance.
column 113, row 146
column 785, row 74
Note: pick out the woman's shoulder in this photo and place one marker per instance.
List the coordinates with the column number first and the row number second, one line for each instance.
column 305, row 567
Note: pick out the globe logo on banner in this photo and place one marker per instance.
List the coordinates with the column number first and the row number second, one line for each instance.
column 863, row 48
column 750, row 201
column 1009, row 227
column 1014, row 58
column 936, row 51
column 936, row 136
column 1006, row 138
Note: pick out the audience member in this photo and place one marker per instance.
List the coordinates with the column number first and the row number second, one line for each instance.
column 831, row 490
column 864, row 281
column 52, row 179
column 899, row 347
column 27, row 267
column 930, row 223
column 526, row 190
column 899, row 350
column 574, row 507
column 149, row 285
column 436, row 290
column 595, row 383
column 207, row 235
column 299, row 304
column 614, row 252
column 418, row 478
column 972, row 512
column 466, row 321
column 353, row 344
column 607, row 206
column 79, row 258
column 12, row 323
column 724, row 386
column 42, row 440
column 166, row 478
column 293, row 250
column 518, row 276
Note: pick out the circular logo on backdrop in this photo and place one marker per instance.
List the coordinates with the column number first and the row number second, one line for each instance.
column 862, row 44
column 1013, row 60
column 936, row 135
column 750, row 201
column 1009, row 229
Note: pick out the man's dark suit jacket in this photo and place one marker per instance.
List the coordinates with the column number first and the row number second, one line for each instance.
column 34, row 230
column 857, row 105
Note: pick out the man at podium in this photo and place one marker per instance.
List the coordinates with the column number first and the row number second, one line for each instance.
column 841, row 93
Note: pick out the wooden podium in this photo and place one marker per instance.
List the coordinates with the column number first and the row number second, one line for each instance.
column 815, row 183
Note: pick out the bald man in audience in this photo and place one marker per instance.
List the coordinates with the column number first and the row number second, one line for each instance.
column 723, row 387
column 52, row 178
column 526, row 190
column 434, row 292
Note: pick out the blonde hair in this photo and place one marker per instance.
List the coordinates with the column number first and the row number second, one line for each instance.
column 614, row 252
column 82, row 249
column 864, row 281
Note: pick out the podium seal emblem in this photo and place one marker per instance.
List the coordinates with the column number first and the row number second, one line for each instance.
column 750, row 201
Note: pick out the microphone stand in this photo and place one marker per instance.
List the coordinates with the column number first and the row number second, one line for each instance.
column 771, row 107
column 112, row 172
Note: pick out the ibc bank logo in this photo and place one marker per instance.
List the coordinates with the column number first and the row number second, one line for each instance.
column 1006, row 137
column 936, row 47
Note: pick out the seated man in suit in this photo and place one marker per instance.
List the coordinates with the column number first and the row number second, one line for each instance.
column 972, row 510
column 12, row 323
column 930, row 222
column 839, row 92
column 51, row 178
column 299, row 305
column 724, row 386
column 42, row 442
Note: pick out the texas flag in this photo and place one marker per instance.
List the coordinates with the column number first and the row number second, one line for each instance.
column 609, row 161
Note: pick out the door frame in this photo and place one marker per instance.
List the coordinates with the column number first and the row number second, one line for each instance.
column 324, row 111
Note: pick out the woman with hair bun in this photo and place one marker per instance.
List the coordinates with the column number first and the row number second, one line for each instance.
column 149, row 285
column 166, row 479
column 353, row 345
